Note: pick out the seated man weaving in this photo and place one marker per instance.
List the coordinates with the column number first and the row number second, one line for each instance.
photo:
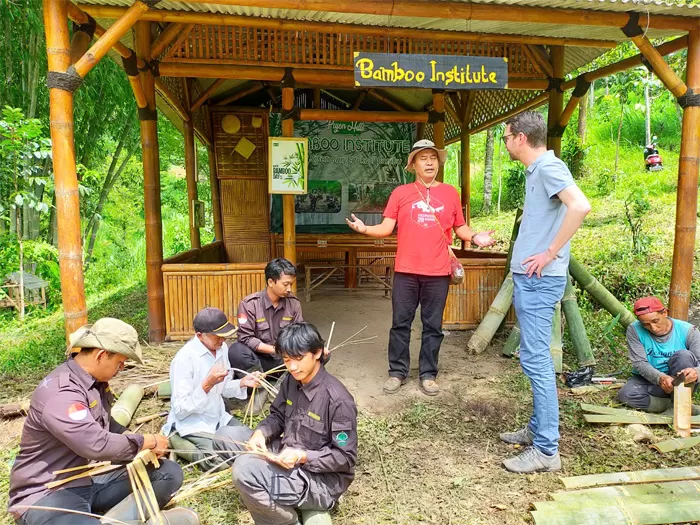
column 68, row 426
column 660, row 348
column 200, row 377
column 307, row 446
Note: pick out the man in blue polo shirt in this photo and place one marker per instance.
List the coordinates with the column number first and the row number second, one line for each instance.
column 660, row 348
column 554, row 209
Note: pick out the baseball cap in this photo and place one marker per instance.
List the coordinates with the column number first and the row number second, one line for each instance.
column 420, row 146
column 647, row 305
column 112, row 335
column 213, row 321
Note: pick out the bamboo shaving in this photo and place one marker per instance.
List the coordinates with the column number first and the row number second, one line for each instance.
column 71, row 511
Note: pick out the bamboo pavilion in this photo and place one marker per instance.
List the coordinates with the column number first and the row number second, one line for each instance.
column 227, row 73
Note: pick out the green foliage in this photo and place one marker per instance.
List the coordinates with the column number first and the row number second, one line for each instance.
column 573, row 153
column 636, row 210
column 514, row 187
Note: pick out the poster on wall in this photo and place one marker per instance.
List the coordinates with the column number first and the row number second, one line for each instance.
column 353, row 168
column 288, row 165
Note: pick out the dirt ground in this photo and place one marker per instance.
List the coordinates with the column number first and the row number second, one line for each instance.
column 421, row 461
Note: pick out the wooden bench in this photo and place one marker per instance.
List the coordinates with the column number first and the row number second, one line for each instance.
column 328, row 270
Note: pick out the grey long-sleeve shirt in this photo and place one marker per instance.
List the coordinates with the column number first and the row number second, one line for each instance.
column 638, row 355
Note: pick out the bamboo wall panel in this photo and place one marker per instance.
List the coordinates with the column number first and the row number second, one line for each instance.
column 271, row 47
column 231, row 164
column 468, row 302
column 191, row 287
column 245, row 216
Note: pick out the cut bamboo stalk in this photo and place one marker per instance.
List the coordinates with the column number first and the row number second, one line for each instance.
column 600, row 293
column 513, row 341
column 642, row 418
column 691, row 488
column 164, row 390
column 482, row 336
column 598, row 502
column 123, row 410
column 577, row 330
column 682, row 409
column 674, row 444
column 556, row 347
column 637, row 476
column 636, row 513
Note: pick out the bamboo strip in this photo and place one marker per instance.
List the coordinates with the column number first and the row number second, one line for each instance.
column 102, row 519
column 674, row 444
column 637, row 476
column 682, row 410
column 82, row 467
column 132, row 480
column 349, row 338
column 616, row 491
column 597, row 502
column 644, row 419
column 93, row 472
column 635, row 513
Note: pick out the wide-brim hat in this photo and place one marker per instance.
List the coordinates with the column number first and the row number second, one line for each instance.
column 112, row 335
column 423, row 145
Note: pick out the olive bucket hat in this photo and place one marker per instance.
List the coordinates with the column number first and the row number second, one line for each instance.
column 423, row 145
column 108, row 334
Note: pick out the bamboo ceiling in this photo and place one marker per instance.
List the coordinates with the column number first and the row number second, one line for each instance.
column 288, row 33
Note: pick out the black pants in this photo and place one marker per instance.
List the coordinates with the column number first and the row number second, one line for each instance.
column 636, row 391
column 105, row 492
column 408, row 292
column 245, row 358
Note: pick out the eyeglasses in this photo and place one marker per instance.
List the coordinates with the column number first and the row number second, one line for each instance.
column 504, row 138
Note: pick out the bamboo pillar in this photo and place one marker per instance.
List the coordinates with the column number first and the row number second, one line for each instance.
column 556, row 101
column 70, row 255
column 215, row 200
column 439, row 126
column 190, row 165
column 82, row 36
column 151, row 187
column 290, row 243
column 466, row 177
column 687, row 193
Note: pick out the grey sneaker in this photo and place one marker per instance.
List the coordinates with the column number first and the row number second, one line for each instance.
column 429, row 387
column 524, row 436
column 532, row 460
column 393, row 384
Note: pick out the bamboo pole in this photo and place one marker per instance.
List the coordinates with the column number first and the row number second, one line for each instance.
column 662, row 70
column 288, row 219
column 360, row 99
column 117, row 30
column 70, row 255
column 439, row 127
column 572, row 104
column 257, row 86
column 577, row 330
column 513, row 341
column 206, row 94
column 468, row 11
column 362, row 116
column 482, row 336
column 151, row 187
column 541, row 59
column 465, row 166
column 190, row 166
column 80, row 42
column 624, row 513
column 101, row 11
column 600, row 293
column 687, row 192
column 165, row 38
column 670, row 488
column 555, row 346
column 263, row 73
column 215, row 199
column 123, row 410
column 556, row 99
column 632, row 477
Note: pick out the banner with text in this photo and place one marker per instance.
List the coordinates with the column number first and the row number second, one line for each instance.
column 353, row 168
column 430, row 71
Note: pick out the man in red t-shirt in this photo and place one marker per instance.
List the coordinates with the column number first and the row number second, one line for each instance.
column 426, row 212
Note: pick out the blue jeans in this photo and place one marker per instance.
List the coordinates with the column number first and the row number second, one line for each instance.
column 534, row 301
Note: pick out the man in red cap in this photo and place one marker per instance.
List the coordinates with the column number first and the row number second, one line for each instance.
column 660, row 348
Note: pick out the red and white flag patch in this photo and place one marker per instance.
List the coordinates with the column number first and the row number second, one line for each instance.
column 242, row 319
column 77, row 411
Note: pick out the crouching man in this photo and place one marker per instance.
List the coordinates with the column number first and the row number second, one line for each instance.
column 308, row 443
column 200, row 377
column 69, row 425
column 660, row 348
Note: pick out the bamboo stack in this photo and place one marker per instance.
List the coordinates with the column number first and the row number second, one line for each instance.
column 482, row 336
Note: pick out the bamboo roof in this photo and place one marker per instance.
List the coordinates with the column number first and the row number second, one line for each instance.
column 497, row 36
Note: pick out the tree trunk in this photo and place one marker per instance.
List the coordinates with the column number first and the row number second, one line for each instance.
column 647, row 108
column 488, row 170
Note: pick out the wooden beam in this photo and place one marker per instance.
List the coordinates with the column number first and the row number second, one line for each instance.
column 363, row 116
column 317, row 98
column 536, row 102
column 662, row 70
column 117, row 30
column 388, row 101
column 151, row 189
column 571, row 105
column 439, row 127
column 469, row 98
column 457, row 103
column 190, row 166
column 452, row 112
column 271, row 94
column 628, row 63
column 99, row 11
column 207, row 93
column 360, row 100
column 165, row 38
column 215, row 195
column 541, row 59
column 288, row 212
column 70, row 253
column 171, row 99
column 466, row 179
column 687, row 192
column 257, row 86
column 556, row 100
